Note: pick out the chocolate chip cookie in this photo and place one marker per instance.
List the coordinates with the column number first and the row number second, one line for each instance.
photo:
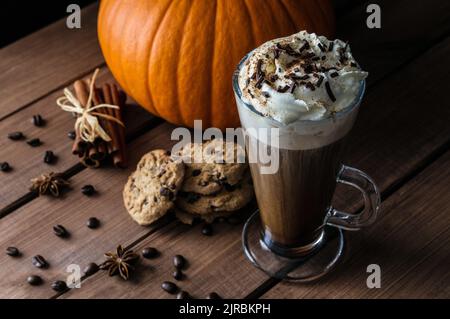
column 230, row 198
column 151, row 190
column 211, row 165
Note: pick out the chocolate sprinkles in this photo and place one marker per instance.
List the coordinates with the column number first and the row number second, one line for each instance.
column 330, row 48
column 305, row 46
column 319, row 81
column 330, row 92
column 283, row 89
column 321, row 47
column 334, row 74
column 294, row 86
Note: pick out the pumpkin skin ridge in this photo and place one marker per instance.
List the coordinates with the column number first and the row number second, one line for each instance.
column 211, row 96
column 180, row 118
column 166, row 98
column 147, row 66
column 285, row 9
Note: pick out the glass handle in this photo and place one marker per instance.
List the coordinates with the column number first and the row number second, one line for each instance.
column 361, row 181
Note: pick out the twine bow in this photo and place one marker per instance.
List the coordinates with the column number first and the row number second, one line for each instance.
column 87, row 124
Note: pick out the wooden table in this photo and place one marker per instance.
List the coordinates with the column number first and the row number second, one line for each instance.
column 401, row 139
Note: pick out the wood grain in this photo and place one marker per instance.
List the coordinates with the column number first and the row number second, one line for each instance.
column 410, row 243
column 387, row 154
column 30, row 227
column 27, row 162
column 217, row 263
column 47, row 60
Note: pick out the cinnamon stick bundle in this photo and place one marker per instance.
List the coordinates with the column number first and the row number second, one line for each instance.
column 93, row 153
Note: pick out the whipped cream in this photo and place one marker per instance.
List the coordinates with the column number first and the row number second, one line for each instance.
column 301, row 77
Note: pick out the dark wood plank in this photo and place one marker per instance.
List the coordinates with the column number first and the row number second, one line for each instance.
column 410, row 243
column 30, row 227
column 27, row 162
column 387, row 154
column 46, row 60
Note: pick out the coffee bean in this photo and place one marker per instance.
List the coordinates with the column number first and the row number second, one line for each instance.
column 72, row 135
column 207, row 229
column 178, row 274
column 59, row 286
column 91, row 269
column 213, row 295
column 60, row 231
column 34, row 142
column 49, row 157
column 12, row 251
column 164, row 191
column 5, row 167
column 170, row 287
column 88, row 190
column 39, row 261
column 183, row 295
column 34, row 280
column 38, row 120
column 179, row 261
column 16, row 136
column 150, row 252
column 93, row 223
column 196, row 172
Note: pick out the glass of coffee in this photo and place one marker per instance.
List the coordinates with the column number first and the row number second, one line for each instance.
column 298, row 97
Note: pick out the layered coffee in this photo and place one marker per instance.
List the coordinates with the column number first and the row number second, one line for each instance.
column 308, row 88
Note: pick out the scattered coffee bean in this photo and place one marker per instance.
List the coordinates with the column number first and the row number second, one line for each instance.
column 60, row 231
column 34, row 142
column 207, row 229
column 38, row 120
column 213, row 295
column 183, row 295
column 170, row 287
column 88, row 190
column 179, row 261
column 34, row 280
column 150, row 252
column 49, row 157
column 59, row 286
column 5, row 167
column 164, row 191
column 16, row 136
column 178, row 274
column 196, row 172
column 93, row 223
column 12, row 251
column 39, row 261
column 91, row 269
column 72, row 135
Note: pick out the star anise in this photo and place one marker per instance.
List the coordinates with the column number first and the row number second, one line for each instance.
column 120, row 262
column 49, row 184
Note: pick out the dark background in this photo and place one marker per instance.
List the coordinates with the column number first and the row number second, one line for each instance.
column 19, row 18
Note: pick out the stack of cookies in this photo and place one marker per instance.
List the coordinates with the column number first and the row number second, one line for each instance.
column 202, row 181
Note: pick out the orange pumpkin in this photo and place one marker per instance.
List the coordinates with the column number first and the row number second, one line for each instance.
column 176, row 57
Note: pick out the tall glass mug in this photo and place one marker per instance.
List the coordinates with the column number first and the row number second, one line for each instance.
column 297, row 234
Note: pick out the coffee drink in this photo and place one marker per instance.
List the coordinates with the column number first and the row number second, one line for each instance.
column 307, row 89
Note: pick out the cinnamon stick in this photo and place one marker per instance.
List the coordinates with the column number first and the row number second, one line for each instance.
column 80, row 147
column 121, row 160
